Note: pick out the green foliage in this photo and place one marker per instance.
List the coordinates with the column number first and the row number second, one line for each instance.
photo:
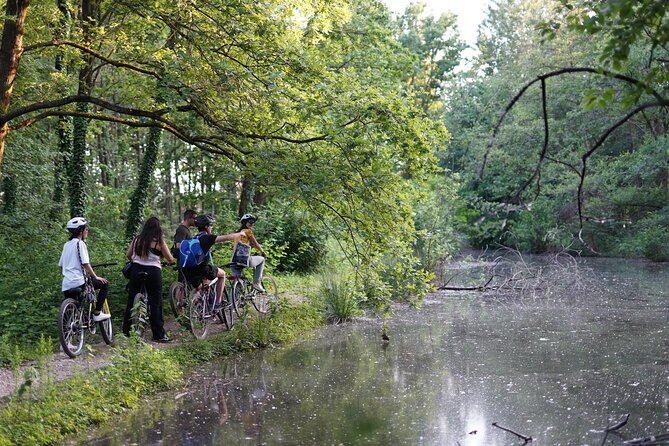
column 295, row 239
column 626, row 178
column 339, row 297
column 435, row 221
column 9, row 194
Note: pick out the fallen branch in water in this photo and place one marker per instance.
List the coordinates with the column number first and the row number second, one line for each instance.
column 521, row 436
column 510, row 274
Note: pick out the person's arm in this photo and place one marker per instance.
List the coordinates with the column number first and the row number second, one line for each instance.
column 166, row 252
column 89, row 270
column 255, row 243
column 128, row 253
column 226, row 237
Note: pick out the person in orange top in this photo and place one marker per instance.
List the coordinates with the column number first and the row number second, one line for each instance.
column 241, row 253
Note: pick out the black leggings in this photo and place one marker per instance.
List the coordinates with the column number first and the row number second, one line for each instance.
column 98, row 285
column 154, row 288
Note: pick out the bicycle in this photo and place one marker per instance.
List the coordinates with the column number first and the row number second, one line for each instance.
column 178, row 297
column 201, row 308
column 243, row 291
column 141, row 310
column 75, row 316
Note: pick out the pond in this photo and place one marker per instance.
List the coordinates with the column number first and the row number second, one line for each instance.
column 558, row 369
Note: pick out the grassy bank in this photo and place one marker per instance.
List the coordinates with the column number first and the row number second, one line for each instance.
column 137, row 370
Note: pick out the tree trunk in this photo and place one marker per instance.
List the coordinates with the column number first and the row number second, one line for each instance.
column 244, row 196
column 11, row 49
column 138, row 200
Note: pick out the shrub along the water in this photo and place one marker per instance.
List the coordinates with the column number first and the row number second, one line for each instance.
column 137, row 370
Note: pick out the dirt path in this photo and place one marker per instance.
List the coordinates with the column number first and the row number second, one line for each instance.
column 62, row 366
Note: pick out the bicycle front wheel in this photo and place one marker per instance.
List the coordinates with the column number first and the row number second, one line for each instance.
column 106, row 329
column 139, row 315
column 70, row 328
column 240, row 291
column 198, row 317
column 261, row 300
column 178, row 302
column 223, row 312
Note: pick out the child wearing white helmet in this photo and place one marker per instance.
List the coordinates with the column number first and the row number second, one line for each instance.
column 74, row 261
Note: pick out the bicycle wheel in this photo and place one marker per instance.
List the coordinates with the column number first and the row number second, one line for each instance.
column 240, row 292
column 106, row 329
column 70, row 328
column 178, row 302
column 139, row 315
column 229, row 307
column 89, row 322
column 198, row 316
column 261, row 300
column 222, row 314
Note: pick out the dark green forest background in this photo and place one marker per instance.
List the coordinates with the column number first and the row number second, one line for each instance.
column 366, row 143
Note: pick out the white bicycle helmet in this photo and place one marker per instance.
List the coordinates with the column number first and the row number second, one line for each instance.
column 247, row 218
column 76, row 222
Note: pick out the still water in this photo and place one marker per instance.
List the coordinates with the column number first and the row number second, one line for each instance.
column 558, row 369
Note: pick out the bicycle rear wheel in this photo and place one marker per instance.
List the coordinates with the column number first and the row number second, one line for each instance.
column 198, row 316
column 106, row 329
column 139, row 315
column 70, row 328
column 261, row 300
column 178, row 302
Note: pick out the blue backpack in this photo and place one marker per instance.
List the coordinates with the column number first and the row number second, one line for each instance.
column 191, row 253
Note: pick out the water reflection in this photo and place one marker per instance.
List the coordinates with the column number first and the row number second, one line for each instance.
column 558, row 370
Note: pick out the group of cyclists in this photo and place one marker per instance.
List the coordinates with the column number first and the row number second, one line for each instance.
column 147, row 251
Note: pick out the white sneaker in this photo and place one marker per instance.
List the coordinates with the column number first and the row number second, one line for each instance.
column 101, row 317
column 258, row 287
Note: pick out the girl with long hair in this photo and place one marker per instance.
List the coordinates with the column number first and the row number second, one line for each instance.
column 145, row 252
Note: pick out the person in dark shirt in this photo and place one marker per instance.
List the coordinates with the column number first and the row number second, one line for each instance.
column 183, row 230
column 205, row 270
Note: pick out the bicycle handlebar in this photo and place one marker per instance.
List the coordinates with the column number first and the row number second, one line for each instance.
column 102, row 265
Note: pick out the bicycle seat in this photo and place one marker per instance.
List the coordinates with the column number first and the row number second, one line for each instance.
column 142, row 275
column 78, row 290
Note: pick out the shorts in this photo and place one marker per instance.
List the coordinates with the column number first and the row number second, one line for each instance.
column 197, row 274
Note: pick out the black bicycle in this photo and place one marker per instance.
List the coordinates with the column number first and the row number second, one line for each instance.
column 75, row 316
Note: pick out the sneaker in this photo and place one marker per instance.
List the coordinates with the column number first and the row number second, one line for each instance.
column 258, row 287
column 101, row 316
column 164, row 340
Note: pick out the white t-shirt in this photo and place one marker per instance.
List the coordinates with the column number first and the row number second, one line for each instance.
column 73, row 274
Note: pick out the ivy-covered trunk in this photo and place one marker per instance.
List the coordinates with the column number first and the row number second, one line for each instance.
column 77, row 165
column 138, row 200
column 60, row 165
